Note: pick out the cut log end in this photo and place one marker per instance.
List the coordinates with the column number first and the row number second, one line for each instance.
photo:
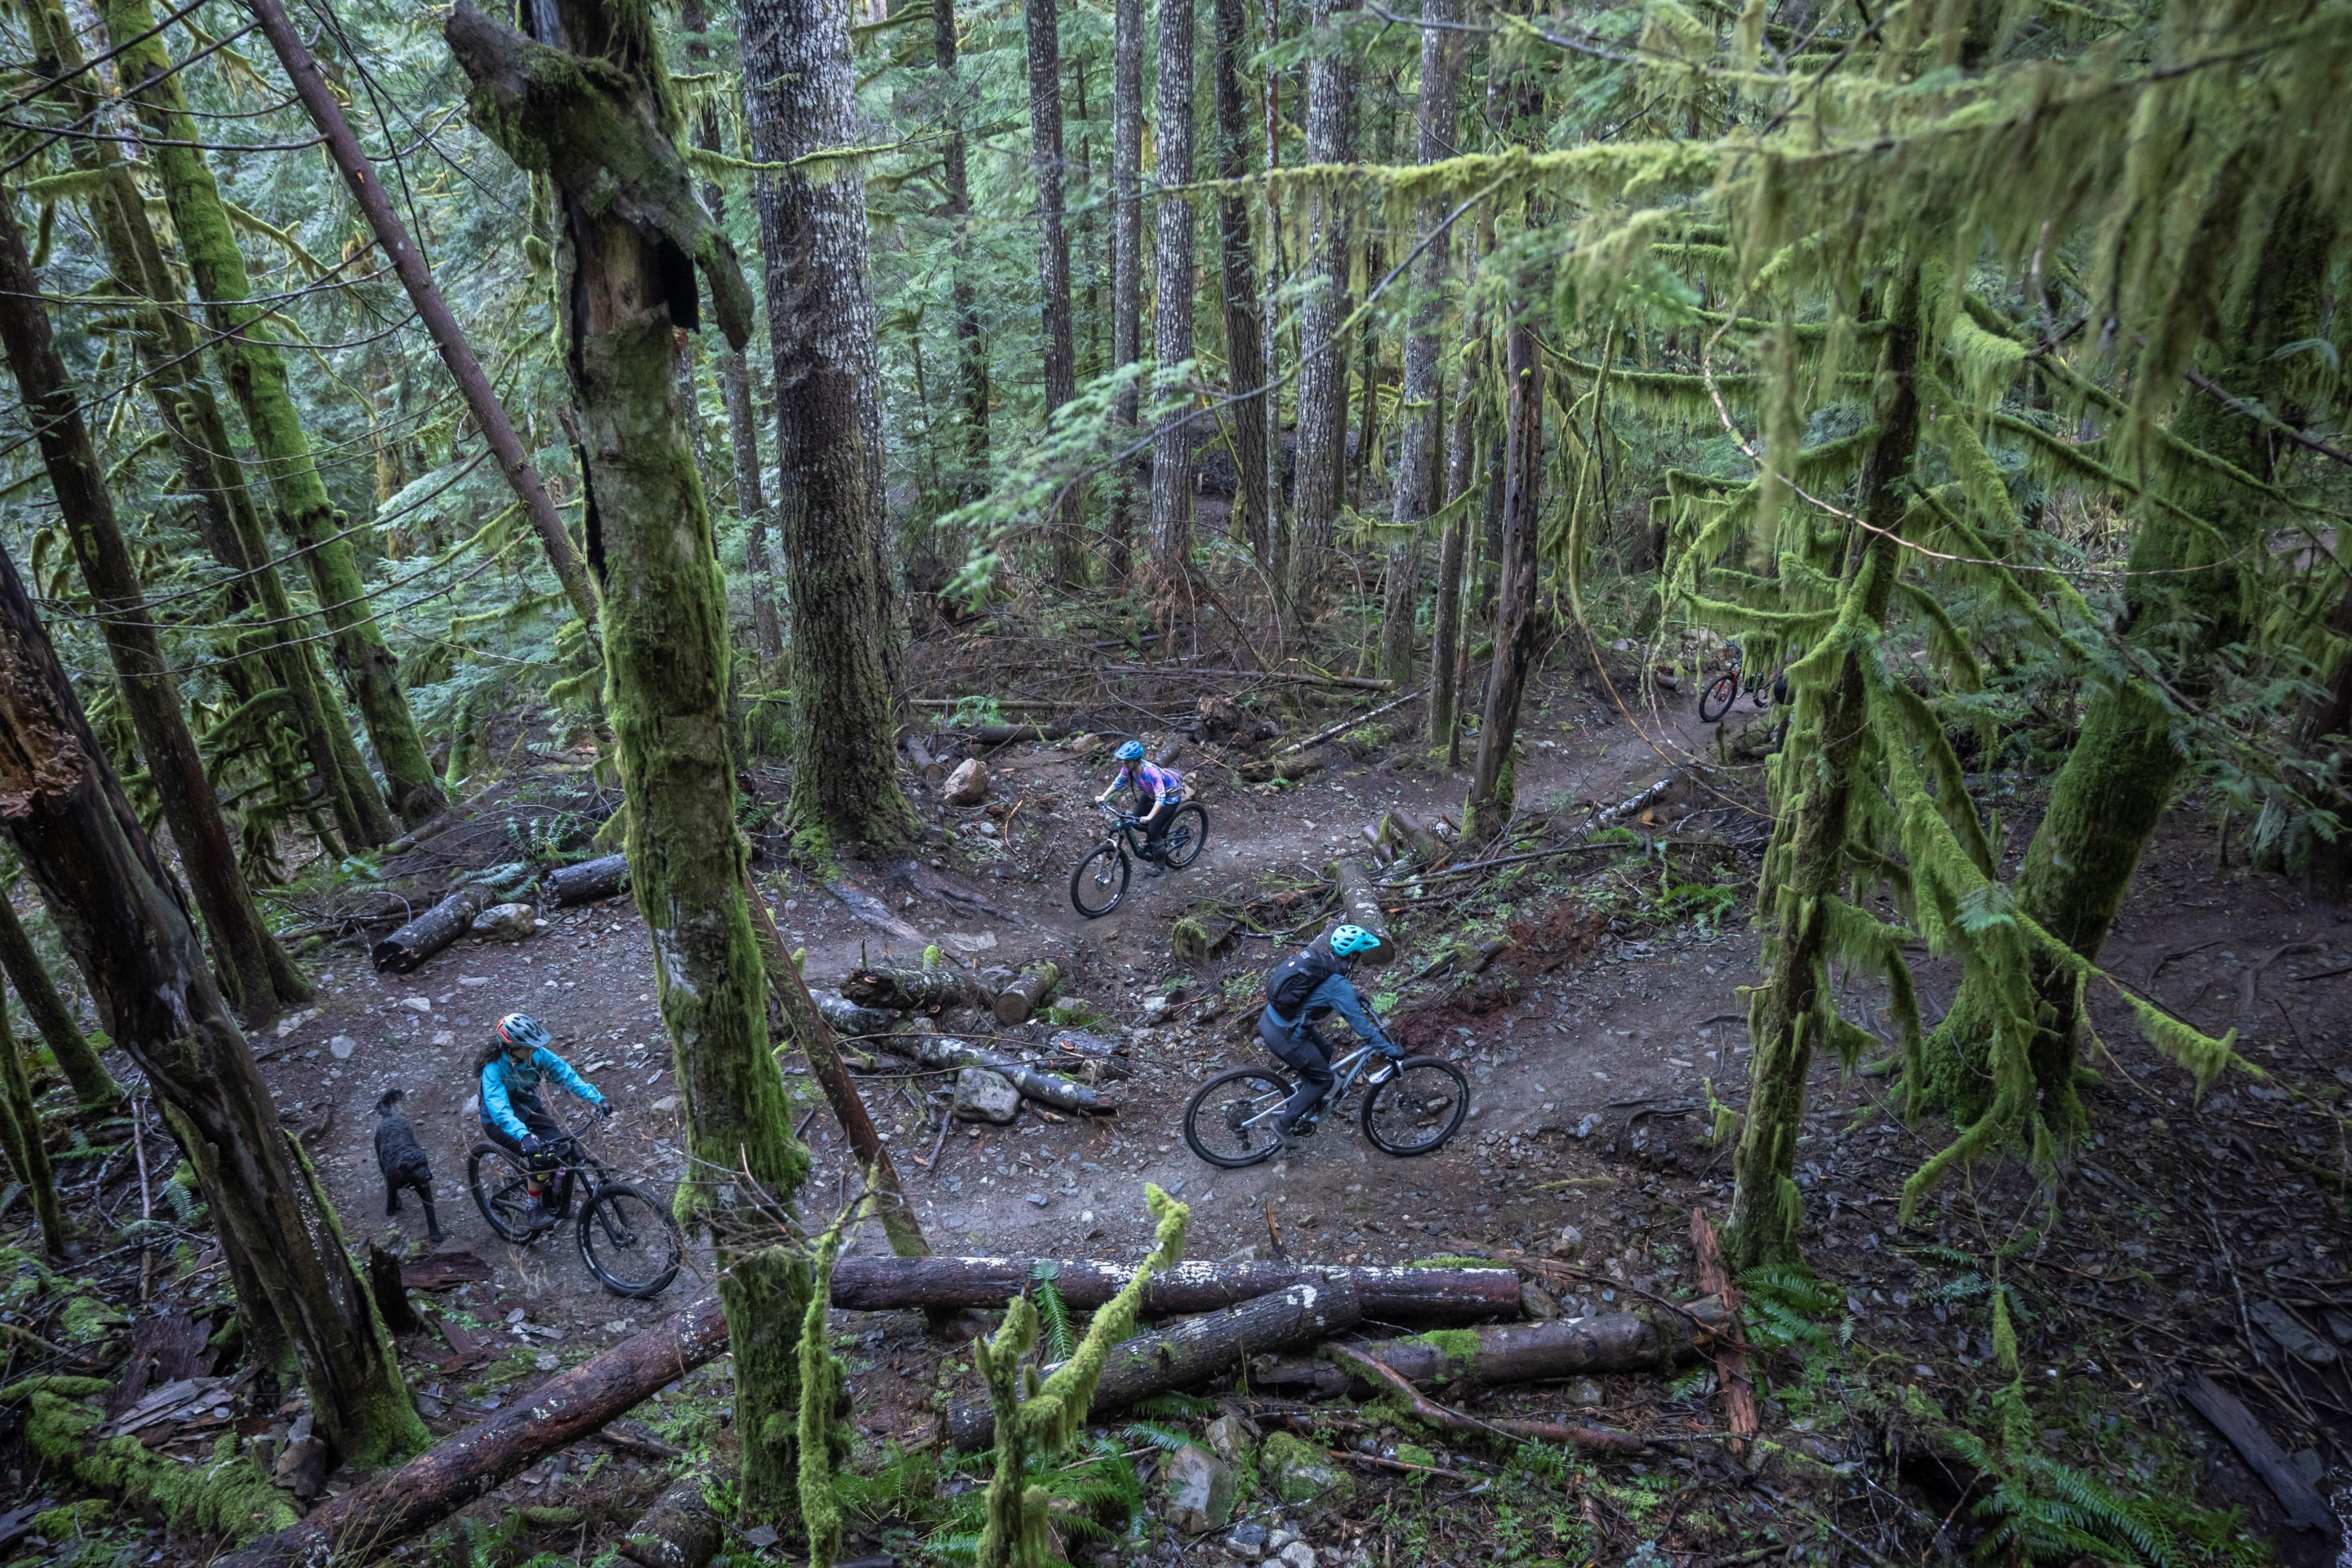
column 1029, row 992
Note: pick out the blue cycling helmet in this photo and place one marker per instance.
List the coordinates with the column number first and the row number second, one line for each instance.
column 1131, row 753
column 1348, row 941
column 521, row 1032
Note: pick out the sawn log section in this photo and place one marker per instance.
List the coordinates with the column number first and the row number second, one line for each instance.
column 1387, row 1295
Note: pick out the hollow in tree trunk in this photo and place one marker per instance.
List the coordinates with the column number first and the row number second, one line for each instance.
column 1172, row 323
column 253, row 966
column 249, row 351
column 624, row 297
column 821, row 325
column 1043, row 34
column 1126, row 267
column 1792, row 1011
column 1518, row 622
column 296, row 1290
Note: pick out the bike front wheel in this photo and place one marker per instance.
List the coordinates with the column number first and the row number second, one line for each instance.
column 1417, row 1107
column 1230, row 1122
column 1188, row 835
column 1100, row 881
column 630, row 1242
column 501, row 1190
column 1716, row 699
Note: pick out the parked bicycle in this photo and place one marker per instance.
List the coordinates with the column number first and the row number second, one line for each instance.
column 1720, row 693
column 1412, row 1107
column 627, row 1240
column 1100, row 880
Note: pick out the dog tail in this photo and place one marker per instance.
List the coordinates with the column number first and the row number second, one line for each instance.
column 392, row 1097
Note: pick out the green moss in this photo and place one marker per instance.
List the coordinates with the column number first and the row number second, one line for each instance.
column 73, row 1519
column 230, row 1496
column 1300, row 1473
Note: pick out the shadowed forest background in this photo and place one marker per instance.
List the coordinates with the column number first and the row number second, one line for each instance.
column 1782, row 556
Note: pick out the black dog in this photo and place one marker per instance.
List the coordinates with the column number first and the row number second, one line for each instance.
column 402, row 1159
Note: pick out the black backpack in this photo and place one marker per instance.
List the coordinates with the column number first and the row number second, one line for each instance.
column 1289, row 983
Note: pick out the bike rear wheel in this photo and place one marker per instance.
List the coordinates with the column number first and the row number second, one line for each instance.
column 1100, row 881
column 1188, row 835
column 1716, row 699
column 501, row 1190
column 1230, row 1122
column 630, row 1242
column 1417, row 1107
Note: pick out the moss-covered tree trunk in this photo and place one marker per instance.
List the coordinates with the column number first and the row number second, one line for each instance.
column 2186, row 598
column 1323, row 356
column 64, row 810
column 797, row 77
column 664, row 620
column 1172, row 319
column 1519, row 622
column 256, row 969
column 93, row 1085
column 1447, row 641
column 964, row 298
column 1042, row 34
column 20, row 1140
column 1791, row 1011
column 191, row 417
column 1126, row 267
column 1245, row 357
column 248, row 348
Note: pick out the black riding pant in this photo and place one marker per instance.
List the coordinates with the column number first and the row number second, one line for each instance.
column 533, row 1115
column 1306, row 1053
column 1155, row 832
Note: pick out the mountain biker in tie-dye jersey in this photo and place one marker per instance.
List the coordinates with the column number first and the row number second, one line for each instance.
column 1158, row 792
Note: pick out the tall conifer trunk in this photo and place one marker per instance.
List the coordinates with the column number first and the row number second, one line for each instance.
column 1322, row 347
column 1127, row 263
column 257, row 373
column 1244, row 361
column 297, row 1293
column 93, row 1085
column 821, row 326
column 20, row 1140
column 1417, row 479
column 1447, row 641
column 1518, row 617
column 1805, row 867
column 972, row 344
column 626, row 288
column 249, row 958
column 1171, row 322
column 1042, row 36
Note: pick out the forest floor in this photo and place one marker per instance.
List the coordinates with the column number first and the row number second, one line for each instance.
column 2189, row 1236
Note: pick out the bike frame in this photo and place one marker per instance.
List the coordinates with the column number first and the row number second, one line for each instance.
column 573, row 1158
column 1127, row 829
column 1347, row 1070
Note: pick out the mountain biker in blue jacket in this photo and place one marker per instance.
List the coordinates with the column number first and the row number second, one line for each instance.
column 1158, row 792
column 513, row 1116
column 1301, row 992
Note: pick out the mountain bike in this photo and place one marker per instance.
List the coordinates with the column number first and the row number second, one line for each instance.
column 1414, row 1106
column 627, row 1240
column 1100, row 880
column 1716, row 699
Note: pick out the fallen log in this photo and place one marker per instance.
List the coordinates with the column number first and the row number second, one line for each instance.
column 446, row 1476
column 680, row 1530
column 1029, row 991
column 1653, row 1340
column 852, row 1022
column 1386, row 1295
column 900, row 990
column 604, row 878
column 932, row 1050
column 2303, row 1506
column 1604, row 1439
column 407, row 948
column 1259, row 770
column 1731, row 1379
column 1194, row 1351
column 1353, row 721
column 1360, row 904
column 1006, row 734
column 1403, row 832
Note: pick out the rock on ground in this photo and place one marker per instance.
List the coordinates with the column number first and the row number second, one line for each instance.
column 1199, row 1488
column 505, row 922
column 1299, row 1472
column 968, row 785
column 985, row 1096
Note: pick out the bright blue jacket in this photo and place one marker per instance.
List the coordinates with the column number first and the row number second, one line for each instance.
column 1335, row 995
column 502, row 1080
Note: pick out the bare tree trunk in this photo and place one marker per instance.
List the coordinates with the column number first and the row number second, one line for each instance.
column 1518, row 620
column 1044, row 37
column 249, row 956
column 1278, row 543
column 1416, row 479
column 257, row 374
column 20, row 1138
column 1246, row 366
column 93, row 1085
column 1171, row 326
column 296, row 1287
column 448, row 337
column 971, row 346
column 1323, row 363
column 1127, row 263
column 735, row 387
column 821, row 327
column 1445, row 694
column 666, row 623
column 1088, row 200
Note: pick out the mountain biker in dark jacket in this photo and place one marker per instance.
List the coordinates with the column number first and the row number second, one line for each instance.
column 1158, row 792
column 513, row 1116
column 1301, row 992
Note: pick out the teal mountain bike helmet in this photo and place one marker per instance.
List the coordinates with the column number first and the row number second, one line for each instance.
column 1131, row 753
column 1348, row 941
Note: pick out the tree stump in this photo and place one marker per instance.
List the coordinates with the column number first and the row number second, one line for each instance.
column 1030, row 990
